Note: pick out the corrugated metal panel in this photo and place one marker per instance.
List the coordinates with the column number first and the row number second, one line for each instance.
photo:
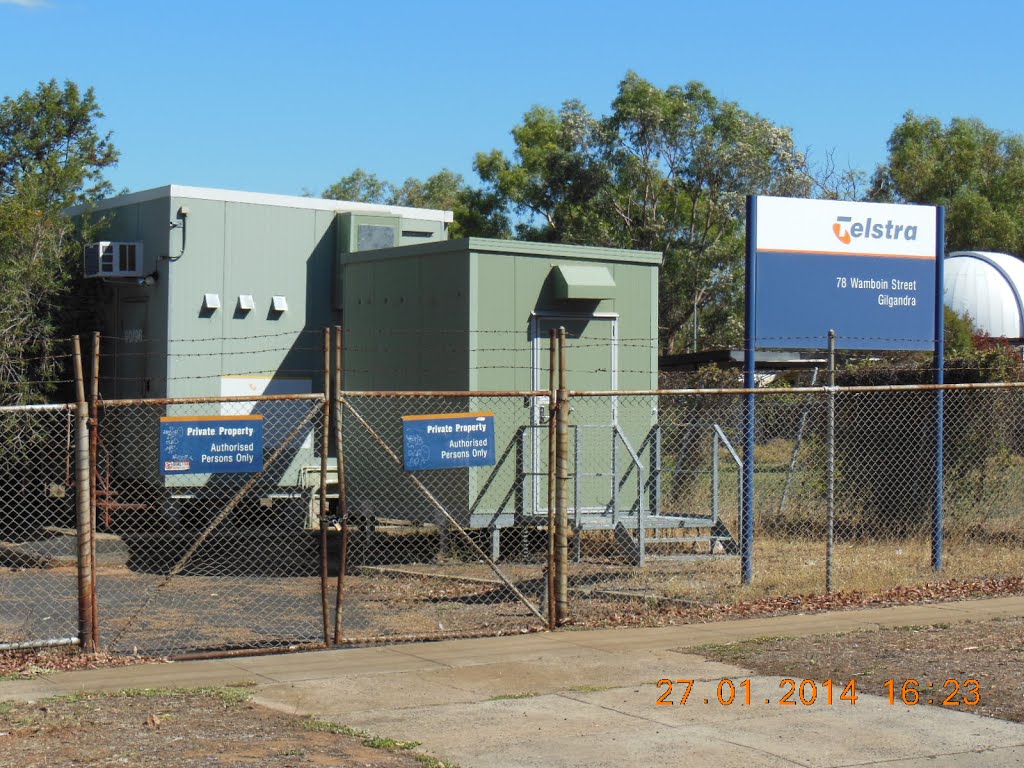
column 988, row 288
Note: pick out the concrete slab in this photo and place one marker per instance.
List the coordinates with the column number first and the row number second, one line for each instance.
column 455, row 653
column 872, row 731
column 170, row 675
column 1009, row 757
column 623, row 727
column 28, row 690
column 555, row 674
column 332, row 664
column 548, row 730
column 339, row 699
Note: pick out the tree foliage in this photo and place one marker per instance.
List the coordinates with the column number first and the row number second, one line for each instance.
column 477, row 213
column 554, row 181
column 360, row 186
column 50, row 136
column 959, row 332
column 973, row 170
column 666, row 170
column 669, row 169
column 51, row 155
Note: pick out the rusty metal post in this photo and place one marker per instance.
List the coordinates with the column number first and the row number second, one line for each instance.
column 562, row 468
column 93, row 416
column 324, row 446
column 94, row 450
column 83, row 508
column 552, row 478
column 339, row 449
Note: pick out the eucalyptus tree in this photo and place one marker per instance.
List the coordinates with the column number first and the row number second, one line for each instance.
column 52, row 154
column 973, row 170
column 666, row 170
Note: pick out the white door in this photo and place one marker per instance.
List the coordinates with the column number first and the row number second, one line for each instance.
column 591, row 365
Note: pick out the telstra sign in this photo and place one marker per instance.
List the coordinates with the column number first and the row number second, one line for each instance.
column 871, row 272
column 867, row 270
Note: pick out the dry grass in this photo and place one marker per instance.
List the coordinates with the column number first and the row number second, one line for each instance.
column 782, row 567
column 464, row 596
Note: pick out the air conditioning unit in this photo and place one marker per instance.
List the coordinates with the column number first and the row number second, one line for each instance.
column 113, row 259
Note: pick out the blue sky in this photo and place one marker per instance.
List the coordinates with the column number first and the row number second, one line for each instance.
column 285, row 97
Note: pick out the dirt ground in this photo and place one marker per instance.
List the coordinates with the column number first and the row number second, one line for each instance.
column 990, row 653
column 184, row 728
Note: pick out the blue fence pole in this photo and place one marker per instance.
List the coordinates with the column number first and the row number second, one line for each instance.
column 749, row 416
column 940, row 360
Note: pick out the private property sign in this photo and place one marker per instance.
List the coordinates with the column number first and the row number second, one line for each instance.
column 444, row 441
column 211, row 444
column 867, row 270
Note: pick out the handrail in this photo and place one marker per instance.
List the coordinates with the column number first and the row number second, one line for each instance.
column 728, row 445
column 625, row 441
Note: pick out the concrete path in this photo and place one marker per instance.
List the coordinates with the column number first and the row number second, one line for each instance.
column 588, row 698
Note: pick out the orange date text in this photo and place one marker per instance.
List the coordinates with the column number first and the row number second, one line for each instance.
column 727, row 692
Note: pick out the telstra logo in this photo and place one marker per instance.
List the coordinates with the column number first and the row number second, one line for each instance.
column 845, row 230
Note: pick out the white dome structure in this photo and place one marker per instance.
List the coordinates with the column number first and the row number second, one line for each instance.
column 987, row 287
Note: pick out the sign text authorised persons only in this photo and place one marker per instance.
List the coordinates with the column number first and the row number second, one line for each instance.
column 199, row 445
column 444, row 441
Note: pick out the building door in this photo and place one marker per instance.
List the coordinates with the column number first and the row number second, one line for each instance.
column 591, row 365
column 131, row 356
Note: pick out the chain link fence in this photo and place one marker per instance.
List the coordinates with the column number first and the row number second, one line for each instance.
column 677, row 543
column 215, row 560
column 446, row 551
column 38, row 548
column 655, row 502
column 218, row 561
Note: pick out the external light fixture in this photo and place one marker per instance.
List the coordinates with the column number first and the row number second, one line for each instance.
column 150, row 279
column 211, row 301
column 279, row 304
column 246, row 302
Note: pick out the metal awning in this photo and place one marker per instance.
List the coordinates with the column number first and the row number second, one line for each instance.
column 583, row 282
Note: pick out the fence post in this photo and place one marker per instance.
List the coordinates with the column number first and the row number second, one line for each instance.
column 83, row 507
column 339, row 449
column 562, row 462
column 831, row 439
column 94, row 452
column 940, row 395
column 324, row 444
column 552, row 477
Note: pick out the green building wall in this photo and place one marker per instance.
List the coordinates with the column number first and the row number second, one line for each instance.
column 161, row 342
column 473, row 315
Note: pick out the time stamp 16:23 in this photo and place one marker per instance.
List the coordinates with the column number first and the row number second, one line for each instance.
column 908, row 691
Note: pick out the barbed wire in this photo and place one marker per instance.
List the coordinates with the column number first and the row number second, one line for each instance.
column 184, row 340
column 313, row 372
column 246, row 352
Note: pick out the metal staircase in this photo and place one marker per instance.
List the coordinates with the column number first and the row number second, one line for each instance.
column 644, row 530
